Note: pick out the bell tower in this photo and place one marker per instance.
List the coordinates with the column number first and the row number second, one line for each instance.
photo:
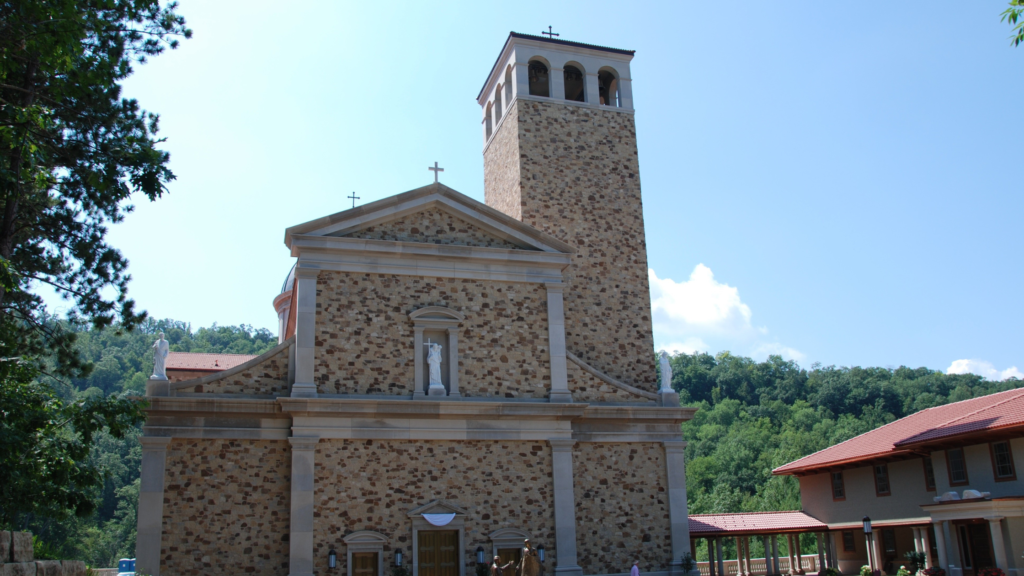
column 560, row 154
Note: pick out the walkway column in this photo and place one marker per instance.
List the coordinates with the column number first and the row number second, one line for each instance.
column 300, row 553
column 830, row 549
column 940, row 546
column 775, row 555
column 741, row 568
column 675, row 463
column 926, row 544
column 305, row 333
column 565, row 507
column 718, row 554
column 150, row 513
column 876, row 547
column 995, row 524
column 819, row 536
column 767, row 555
column 711, row 557
column 746, row 549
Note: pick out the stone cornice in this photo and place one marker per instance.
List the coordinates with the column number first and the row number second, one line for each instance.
column 361, row 255
column 427, row 409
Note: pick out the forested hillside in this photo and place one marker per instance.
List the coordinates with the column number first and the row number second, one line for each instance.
column 752, row 417
column 756, row 416
column 121, row 365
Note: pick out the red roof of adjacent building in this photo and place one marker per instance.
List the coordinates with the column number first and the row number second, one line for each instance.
column 753, row 523
column 205, row 362
column 985, row 414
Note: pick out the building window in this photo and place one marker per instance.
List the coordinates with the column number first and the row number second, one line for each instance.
column 1002, row 461
column 957, row 467
column 849, row 544
column 882, row 480
column 838, row 490
column 539, row 83
column 929, row 474
column 573, row 83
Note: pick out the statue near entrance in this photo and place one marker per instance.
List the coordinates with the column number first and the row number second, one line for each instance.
column 160, row 350
column 530, row 564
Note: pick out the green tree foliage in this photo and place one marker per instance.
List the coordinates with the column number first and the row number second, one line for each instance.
column 756, row 416
column 123, row 360
column 1012, row 16
column 72, row 152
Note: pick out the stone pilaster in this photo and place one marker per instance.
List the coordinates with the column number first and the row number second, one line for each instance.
column 151, row 504
column 995, row 524
column 565, row 508
column 556, row 344
column 300, row 560
column 675, row 464
column 305, row 333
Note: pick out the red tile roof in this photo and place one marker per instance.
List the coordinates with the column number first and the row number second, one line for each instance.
column 205, row 362
column 987, row 413
column 753, row 523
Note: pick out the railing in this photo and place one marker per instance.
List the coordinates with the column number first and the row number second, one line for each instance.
column 808, row 562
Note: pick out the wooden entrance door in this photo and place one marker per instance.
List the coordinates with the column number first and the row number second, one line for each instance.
column 438, row 553
column 510, row 555
column 364, row 564
column 975, row 547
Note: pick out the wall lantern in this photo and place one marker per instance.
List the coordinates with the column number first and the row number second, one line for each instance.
column 867, row 525
column 398, row 558
column 479, row 554
column 332, row 559
column 540, row 552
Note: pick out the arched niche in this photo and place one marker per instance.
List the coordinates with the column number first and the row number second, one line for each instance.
column 497, row 105
column 434, row 324
column 487, row 120
column 539, row 73
column 365, row 542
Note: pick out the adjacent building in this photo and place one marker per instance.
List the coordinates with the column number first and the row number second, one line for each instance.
column 943, row 481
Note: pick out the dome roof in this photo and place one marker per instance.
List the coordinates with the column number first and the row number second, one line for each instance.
column 289, row 280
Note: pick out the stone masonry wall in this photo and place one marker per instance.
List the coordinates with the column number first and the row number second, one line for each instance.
column 433, row 226
column 587, row 388
column 364, row 337
column 622, row 510
column 268, row 378
column 372, row 485
column 501, row 167
column 579, row 180
column 226, row 507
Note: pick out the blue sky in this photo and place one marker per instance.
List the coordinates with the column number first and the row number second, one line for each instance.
column 835, row 182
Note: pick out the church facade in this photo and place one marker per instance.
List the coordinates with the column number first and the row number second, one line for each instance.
column 452, row 377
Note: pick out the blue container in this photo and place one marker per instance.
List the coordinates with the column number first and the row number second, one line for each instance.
column 126, row 567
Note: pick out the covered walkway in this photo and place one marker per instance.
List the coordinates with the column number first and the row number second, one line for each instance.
column 768, row 526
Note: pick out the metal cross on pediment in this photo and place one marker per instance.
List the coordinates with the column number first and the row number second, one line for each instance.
column 435, row 170
column 549, row 33
column 354, row 198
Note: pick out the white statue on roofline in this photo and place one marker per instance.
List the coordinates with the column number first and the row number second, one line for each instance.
column 160, row 351
column 666, row 373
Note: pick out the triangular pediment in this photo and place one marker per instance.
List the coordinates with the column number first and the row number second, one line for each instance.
column 437, row 507
column 434, row 214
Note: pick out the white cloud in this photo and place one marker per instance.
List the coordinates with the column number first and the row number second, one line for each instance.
column 702, row 314
column 984, row 369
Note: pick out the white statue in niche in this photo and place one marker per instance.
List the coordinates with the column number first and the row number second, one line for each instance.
column 434, row 364
column 666, row 373
column 160, row 350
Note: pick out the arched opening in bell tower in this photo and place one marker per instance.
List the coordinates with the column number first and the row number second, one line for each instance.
column 608, row 87
column 573, row 83
column 540, row 83
column 487, row 121
column 497, row 105
column 508, row 85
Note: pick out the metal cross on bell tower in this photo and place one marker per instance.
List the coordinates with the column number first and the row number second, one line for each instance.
column 353, row 197
column 549, row 33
